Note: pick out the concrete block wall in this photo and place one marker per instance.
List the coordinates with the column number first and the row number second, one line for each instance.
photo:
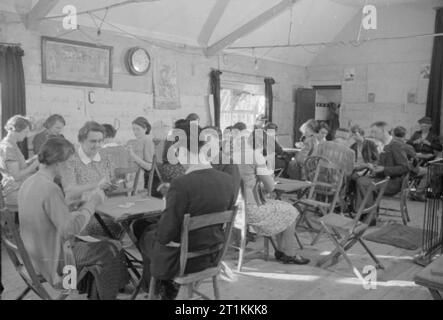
column 133, row 96
column 388, row 69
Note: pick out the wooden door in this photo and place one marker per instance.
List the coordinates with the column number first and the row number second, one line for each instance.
column 304, row 109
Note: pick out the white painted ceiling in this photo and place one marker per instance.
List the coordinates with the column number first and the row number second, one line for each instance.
column 181, row 21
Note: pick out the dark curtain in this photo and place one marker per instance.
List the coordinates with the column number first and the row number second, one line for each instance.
column 215, row 91
column 269, row 98
column 12, row 80
column 433, row 107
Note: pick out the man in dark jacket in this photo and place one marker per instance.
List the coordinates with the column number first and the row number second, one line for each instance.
column 202, row 190
column 392, row 163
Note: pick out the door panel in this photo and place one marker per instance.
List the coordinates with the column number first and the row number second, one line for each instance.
column 304, row 109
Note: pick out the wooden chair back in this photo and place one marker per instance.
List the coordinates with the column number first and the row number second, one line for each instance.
column 225, row 218
column 310, row 166
column 154, row 171
column 326, row 184
column 378, row 187
column 19, row 256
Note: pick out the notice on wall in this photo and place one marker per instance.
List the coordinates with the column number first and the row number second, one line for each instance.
column 166, row 90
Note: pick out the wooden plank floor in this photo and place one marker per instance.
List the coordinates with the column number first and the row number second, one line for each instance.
column 261, row 280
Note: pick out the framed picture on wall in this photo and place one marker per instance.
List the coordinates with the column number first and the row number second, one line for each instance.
column 76, row 63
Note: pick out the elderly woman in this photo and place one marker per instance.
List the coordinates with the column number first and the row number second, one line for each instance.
column 267, row 217
column 13, row 166
column 46, row 224
column 53, row 127
column 89, row 170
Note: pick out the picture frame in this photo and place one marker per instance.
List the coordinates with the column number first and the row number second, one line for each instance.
column 76, row 63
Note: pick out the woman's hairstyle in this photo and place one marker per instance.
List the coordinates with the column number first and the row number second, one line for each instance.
column 52, row 119
column 356, row 129
column 240, row 126
column 180, row 122
column 193, row 117
column 90, row 126
column 186, row 129
column 55, row 150
column 311, row 124
column 271, row 126
column 17, row 124
column 144, row 123
column 110, row 131
column 399, row 132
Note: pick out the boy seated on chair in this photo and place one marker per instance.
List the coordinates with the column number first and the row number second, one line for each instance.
column 202, row 190
column 392, row 163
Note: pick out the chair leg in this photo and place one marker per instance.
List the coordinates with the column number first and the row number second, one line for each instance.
column 343, row 252
column 317, row 237
column 137, row 290
column 151, row 295
column 190, row 291
column 435, row 294
column 379, row 265
column 24, row 293
column 298, row 240
column 266, row 248
column 216, row 288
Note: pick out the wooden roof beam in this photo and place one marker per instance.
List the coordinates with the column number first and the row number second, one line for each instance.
column 39, row 11
column 249, row 27
column 212, row 21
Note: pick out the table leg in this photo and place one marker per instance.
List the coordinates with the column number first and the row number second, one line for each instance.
column 110, row 235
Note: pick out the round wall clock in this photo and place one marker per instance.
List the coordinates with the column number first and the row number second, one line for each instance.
column 138, row 61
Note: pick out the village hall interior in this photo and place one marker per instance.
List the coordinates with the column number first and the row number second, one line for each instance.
column 221, row 149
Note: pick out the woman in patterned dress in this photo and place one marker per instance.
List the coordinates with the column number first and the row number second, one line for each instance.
column 89, row 170
column 13, row 166
column 271, row 217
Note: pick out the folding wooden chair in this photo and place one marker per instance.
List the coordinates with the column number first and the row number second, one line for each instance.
column 323, row 194
column 402, row 197
column 154, row 171
column 191, row 280
column 352, row 230
column 22, row 262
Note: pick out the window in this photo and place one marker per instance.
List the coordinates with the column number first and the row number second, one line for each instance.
column 240, row 106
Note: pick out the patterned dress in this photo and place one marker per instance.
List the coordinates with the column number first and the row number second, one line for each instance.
column 9, row 152
column 76, row 172
column 267, row 218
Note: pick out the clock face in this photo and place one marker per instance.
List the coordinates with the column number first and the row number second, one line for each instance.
column 139, row 61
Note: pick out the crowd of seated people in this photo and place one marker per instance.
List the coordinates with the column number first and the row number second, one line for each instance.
column 58, row 189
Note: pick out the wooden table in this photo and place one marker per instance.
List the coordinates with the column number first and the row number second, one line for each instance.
column 124, row 210
column 116, row 208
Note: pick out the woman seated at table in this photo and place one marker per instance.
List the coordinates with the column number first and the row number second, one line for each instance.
column 46, row 224
column 202, row 190
column 267, row 217
column 88, row 171
column 170, row 171
column 13, row 166
column 53, row 127
column 310, row 131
